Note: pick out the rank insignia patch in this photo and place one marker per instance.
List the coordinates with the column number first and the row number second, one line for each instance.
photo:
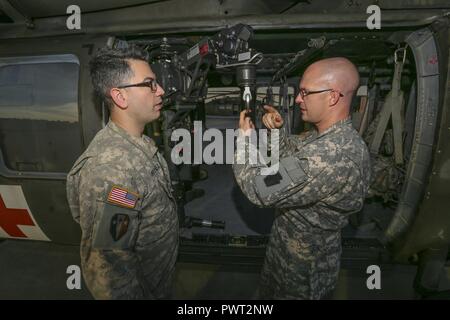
column 123, row 197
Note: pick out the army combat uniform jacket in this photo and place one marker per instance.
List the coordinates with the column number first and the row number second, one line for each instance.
column 322, row 179
column 119, row 191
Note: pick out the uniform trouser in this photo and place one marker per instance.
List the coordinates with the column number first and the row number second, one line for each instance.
column 300, row 264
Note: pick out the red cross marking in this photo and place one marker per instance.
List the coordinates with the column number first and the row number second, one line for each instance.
column 11, row 218
column 433, row 60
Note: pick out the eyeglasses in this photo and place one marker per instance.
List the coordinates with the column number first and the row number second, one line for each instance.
column 151, row 83
column 303, row 92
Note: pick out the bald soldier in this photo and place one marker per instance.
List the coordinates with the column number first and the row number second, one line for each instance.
column 119, row 189
column 323, row 177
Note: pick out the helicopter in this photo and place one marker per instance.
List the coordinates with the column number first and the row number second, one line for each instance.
column 213, row 58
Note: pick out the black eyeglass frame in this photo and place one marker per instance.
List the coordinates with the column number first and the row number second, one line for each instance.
column 151, row 83
column 304, row 93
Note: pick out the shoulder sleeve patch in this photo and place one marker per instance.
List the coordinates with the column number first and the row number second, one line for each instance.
column 122, row 197
column 115, row 227
column 291, row 172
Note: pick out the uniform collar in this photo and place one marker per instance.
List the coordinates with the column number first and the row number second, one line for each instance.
column 337, row 126
column 144, row 143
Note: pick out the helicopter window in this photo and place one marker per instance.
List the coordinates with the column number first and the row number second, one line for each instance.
column 39, row 113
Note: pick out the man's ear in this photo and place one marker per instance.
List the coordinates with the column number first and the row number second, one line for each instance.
column 334, row 98
column 119, row 97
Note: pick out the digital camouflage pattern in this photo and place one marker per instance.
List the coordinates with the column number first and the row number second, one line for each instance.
column 303, row 253
column 143, row 268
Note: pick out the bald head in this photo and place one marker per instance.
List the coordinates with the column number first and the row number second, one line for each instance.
column 338, row 73
column 331, row 84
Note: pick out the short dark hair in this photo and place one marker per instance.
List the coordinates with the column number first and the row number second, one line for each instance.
column 109, row 68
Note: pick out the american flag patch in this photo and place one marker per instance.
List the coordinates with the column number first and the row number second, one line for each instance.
column 123, row 197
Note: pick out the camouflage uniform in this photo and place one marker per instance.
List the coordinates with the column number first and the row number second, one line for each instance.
column 129, row 245
column 322, row 179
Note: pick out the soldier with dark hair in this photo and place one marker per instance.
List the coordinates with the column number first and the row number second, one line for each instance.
column 322, row 178
column 119, row 189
